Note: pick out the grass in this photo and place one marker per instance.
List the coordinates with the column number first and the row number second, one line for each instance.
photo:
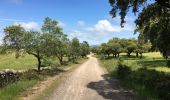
column 8, row 61
column 11, row 91
column 152, row 60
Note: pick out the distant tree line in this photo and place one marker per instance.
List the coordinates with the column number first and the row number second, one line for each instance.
column 49, row 42
column 115, row 46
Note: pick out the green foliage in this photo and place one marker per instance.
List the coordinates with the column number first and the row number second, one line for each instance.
column 122, row 7
column 14, row 38
column 116, row 46
column 30, row 75
column 122, row 71
column 75, row 49
column 168, row 63
column 85, row 49
column 153, row 81
column 9, row 92
column 155, row 28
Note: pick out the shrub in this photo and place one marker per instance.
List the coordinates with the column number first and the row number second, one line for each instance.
column 30, row 75
column 102, row 57
column 123, row 71
column 154, row 81
column 51, row 72
column 168, row 63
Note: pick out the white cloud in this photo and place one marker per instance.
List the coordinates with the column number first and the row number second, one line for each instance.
column 75, row 33
column 104, row 26
column 16, row 1
column 81, row 22
column 28, row 25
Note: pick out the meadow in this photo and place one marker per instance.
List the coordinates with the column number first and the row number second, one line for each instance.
column 152, row 60
column 8, row 61
column 147, row 77
column 25, row 62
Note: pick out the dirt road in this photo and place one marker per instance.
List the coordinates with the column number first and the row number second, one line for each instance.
column 90, row 82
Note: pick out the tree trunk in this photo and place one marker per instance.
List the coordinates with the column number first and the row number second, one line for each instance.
column 37, row 55
column 39, row 64
column 115, row 55
column 61, row 60
column 137, row 54
column 128, row 54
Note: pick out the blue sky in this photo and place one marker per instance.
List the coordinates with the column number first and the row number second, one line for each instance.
column 88, row 20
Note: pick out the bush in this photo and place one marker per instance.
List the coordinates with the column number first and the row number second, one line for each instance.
column 168, row 63
column 156, row 82
column 51, row 72
column 151, row 81
column 102, row 57
column 123, row 71
column 31, row 75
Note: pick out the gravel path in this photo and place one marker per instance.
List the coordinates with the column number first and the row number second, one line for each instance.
column 90, row 82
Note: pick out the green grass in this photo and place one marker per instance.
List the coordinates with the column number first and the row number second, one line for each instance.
column 8, row 61
column 11, row 91
column 152, row 60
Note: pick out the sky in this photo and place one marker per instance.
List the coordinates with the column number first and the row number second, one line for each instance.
column 88, row 20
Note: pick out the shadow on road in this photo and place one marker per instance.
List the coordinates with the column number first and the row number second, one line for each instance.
column 109, row 89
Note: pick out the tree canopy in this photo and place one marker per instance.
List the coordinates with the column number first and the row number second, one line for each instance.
column 123, row 6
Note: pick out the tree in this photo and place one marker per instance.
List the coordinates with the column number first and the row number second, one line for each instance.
column 106, row 49
column 17, row 38
column 123, row 7
column 57, row 41
column 75, row 48
column 155, row 28
column 142, row 47
column 14, row 38
column 34, row 46
column 96, row 49
column 115, row 46
column 131, row 46
column 85, row 48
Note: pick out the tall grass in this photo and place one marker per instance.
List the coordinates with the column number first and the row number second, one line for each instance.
column 8, row 61
column 151, row 61
column 11, row 91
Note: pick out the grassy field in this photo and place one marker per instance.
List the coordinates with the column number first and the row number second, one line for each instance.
column 153, row 60
column 11, row 91
column 8, row 61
